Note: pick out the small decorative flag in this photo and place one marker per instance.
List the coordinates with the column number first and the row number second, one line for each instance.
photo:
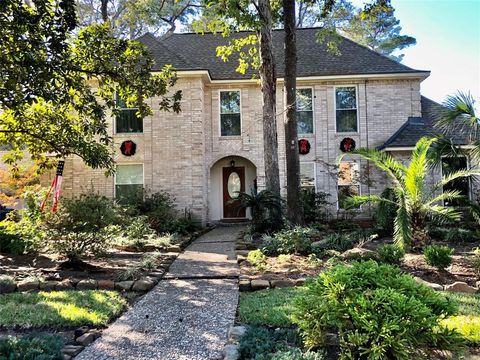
column 56, row 187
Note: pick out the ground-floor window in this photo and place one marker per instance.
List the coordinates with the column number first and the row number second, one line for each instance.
column 128, row 180
column 347, row 185
column 307, row 175
column 451, row 165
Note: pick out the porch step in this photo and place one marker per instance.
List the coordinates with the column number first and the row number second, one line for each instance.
column 232, row 222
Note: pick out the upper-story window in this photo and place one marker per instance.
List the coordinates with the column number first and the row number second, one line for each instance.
column 304, row 111
column 346, row 109
column 230, row 118
column 127, row 120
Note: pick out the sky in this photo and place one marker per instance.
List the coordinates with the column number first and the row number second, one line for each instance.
column 448, row 44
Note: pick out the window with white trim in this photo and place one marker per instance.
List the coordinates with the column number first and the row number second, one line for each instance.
column 127, row 120
column 346, row 109
column 347, row 183
column 304, row 108
column 230, row 118
column 307, row 175
column 462, row 185
column 128, row 181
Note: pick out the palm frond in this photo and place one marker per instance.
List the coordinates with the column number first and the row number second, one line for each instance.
column 447, row 195
column 443, row 147
column 444, row 214
column 456, row 175
column 416, row 171
column 459, row 110
column 402, row 233
column 358, row 200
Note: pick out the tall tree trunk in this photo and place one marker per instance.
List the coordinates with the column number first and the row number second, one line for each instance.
column 268, row 80
column 104, row 10
column 294, row 200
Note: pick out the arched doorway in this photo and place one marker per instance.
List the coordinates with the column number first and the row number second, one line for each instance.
column 228, row 176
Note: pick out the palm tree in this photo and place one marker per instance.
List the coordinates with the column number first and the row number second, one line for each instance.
column 416, row 200
column 260, row 203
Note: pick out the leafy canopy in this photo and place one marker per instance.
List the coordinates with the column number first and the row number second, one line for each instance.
column 57, row 83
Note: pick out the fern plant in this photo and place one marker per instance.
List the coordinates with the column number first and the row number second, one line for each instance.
column 416, row 200
column 260, row 204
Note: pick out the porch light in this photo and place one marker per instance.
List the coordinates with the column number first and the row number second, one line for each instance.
column 232, row 163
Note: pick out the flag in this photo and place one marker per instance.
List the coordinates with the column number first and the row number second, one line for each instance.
column 56, row 187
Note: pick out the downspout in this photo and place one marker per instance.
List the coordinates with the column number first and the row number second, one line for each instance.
column 366, row 129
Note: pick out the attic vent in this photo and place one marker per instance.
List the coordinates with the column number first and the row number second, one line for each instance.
column 416, row 121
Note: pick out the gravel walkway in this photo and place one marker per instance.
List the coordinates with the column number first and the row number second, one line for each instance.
column 187, row 315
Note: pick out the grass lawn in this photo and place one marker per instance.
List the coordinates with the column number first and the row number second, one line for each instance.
column 268, row 307
column 274, row 307
column 60, row 308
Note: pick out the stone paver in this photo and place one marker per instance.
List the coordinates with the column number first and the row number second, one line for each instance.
column 185, row 317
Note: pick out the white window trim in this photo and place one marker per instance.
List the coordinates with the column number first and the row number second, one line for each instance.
column 220, row 113
column 115, row 176
column 313, row 110
column 115, row 132
column 335, row 108
column 469, row 179
column 314, row 173
column 358, row 183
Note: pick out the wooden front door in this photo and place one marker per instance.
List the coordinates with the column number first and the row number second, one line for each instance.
column 233, row 182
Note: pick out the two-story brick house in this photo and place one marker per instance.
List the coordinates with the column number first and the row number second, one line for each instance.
column 214, row 146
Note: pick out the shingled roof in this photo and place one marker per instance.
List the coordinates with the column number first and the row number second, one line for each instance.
column 191, row 51
column 417, row 127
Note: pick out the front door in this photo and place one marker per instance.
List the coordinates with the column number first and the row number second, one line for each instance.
column 233, row 182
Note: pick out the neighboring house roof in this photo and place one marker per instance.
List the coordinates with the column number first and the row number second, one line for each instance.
column 191, row 51
column 417, row 127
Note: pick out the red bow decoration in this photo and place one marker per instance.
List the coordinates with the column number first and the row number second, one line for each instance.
column 303, row 146
column 128, row 148
column 347, row 145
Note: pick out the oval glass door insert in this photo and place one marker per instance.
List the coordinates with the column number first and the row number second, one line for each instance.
column 233, row 185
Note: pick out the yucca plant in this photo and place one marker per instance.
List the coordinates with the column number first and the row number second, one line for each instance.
column 260, row 204
column 416, row 200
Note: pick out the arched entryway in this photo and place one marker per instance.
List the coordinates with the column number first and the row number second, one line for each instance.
column 228, row 176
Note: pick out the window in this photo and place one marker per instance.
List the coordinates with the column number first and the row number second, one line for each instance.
column 451, row 165
column 128, row 181
column 347, row 182
column 304, row 111
column 307, row 176
column 346, row 109
column 127, row 120
column 230, row 122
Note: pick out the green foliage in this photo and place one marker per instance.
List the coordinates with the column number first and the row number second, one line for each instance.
column 83, row 226
column 385, row 212
column 31, row 347
column 138, row 228
column 467, row 321
column 60, row 308
column 297, row 354
column 476, row 260
column 416, row 200
column 341, row 241
column 377, row 311
column 391, row 254
column 344, row 225
column 57, row 83
column 315, row 206
column 438, row 256
column 257, row 259
column 459, row 235
column 12, row 243
column 260, row 204
column 261, row 343
column 149, row 261
column 289, row 241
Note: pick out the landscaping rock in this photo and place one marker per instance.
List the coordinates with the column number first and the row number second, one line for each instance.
column 241, row 259
column 460, row 286
column 243, row 277
column 156, row 274
column 259, row 284
column 174, row 248
column 282, row 283
column 236, row 332
column 88, row 284
column 357, row 252
column 48, row 285
column 242, row 252
column 434, row 286
column 241, row 247
column 124, row 285
column 66, row 357
column 143, row 285
column 244, row 285
column 299, row 282
column 106, row 284
column 72, row 350
column 86, row 339
column 28, row 285
column 477, row 284
column 7, row 286
column 80, row 331
column 64, row 285
column 231, row 352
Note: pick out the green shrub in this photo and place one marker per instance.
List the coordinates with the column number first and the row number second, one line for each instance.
column 184, row 225
column 459, row 235
column 344, row 225
column 437, row 232
column 83, row 225
column 391, row 254
column 32, row 347
column 260, row 343
column 290, row 241
column 377, row 311
column 159, row 207
column 270, row 245
column 11, row 243
column 386, row 212
column 315, row 206
column 257, row 259
column 476, row 260
column 138, row 228
column 296, row 354
column 339, row 242
column 438, row 256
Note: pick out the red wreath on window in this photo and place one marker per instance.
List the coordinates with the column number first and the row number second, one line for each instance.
column 303, row 146
column 128, row 148
column 347, row 145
